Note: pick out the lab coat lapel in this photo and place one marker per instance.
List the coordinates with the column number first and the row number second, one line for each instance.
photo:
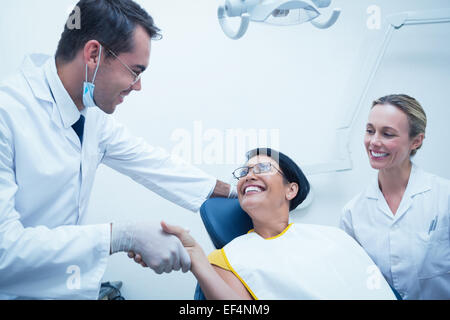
column 383, row 205
column 37, row 69
column 64, row 113
column 373, row 192
column 72, row 137
column 404, row 206
column 417, row 183
column 69, row 133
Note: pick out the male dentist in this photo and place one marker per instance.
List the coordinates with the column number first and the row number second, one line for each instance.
column 55, row 129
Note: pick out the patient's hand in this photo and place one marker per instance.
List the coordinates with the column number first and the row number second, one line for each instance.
column 137, row 258
column 196, row 253
column 186, row 239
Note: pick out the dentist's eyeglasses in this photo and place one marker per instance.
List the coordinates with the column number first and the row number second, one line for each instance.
column 259, row 168
column 136, row 76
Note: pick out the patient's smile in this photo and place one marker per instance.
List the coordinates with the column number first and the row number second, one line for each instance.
column 253, row 189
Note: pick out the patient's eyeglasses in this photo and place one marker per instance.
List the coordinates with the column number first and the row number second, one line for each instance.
column 259, row 168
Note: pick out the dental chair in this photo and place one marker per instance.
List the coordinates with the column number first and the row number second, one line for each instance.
column 224, row 220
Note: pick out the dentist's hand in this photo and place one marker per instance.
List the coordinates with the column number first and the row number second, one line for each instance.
column 160, row 251
column 198, row 257
column 233, row 192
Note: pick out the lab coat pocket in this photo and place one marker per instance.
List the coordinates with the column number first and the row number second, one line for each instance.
column 436, row 288
column 436, row 253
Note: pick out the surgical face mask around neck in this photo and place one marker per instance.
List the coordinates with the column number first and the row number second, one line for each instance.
column 89, row 87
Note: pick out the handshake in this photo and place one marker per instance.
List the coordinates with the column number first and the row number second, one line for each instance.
column 162, row 248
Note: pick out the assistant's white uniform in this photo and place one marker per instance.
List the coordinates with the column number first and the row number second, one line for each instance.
column 306, row 262
column 46, row 178
column 411, row 250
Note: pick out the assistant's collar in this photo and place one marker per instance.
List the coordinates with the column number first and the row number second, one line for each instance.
column 63, row 102
column 418, row 182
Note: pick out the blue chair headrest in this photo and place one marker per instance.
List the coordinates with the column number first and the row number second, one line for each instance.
column 224, row 220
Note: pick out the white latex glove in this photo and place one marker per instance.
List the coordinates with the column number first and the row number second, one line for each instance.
column 160, row 251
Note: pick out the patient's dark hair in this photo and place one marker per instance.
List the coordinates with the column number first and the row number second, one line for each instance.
column 291, row 171
column 111, row 22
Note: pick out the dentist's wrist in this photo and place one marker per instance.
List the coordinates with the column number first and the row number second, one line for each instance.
column 233, row 192
column 121, row 237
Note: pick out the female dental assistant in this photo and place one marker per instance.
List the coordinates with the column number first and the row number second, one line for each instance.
column 402, row 218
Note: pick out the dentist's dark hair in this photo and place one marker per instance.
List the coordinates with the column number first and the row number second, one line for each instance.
column 111, row 22
column 291, row 171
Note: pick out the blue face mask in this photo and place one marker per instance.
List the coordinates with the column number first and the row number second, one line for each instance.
column 89, row 87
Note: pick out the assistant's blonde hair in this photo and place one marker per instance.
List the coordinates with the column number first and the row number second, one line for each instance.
column 417, row 118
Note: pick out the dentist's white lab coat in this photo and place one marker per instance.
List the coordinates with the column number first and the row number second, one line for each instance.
column 412, row 247
column 46, row 177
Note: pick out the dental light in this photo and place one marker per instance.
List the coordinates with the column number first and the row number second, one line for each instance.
column 276, row 12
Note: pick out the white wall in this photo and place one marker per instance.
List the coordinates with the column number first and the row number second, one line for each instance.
column 293, row 79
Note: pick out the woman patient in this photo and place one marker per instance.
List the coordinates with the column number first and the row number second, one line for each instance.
column 278, row 259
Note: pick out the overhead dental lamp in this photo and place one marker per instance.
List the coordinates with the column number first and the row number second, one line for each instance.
column 276, row 12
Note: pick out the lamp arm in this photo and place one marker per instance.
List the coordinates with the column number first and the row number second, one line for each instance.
column 223, row 20
column 332, row 20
